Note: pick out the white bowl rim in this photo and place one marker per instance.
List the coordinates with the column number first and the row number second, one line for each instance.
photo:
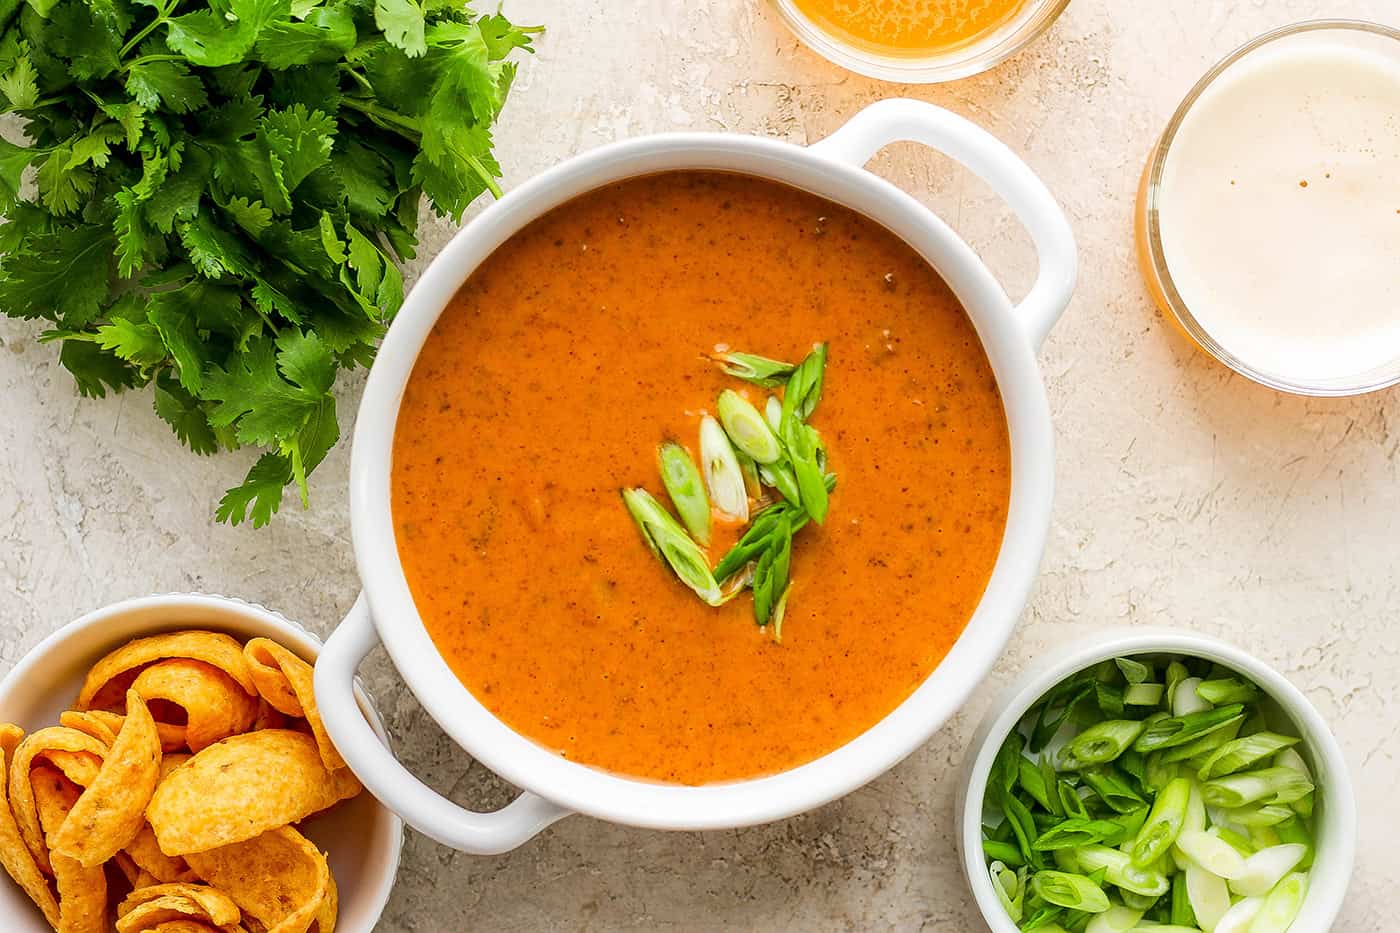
column 1327, row 882
column 15, row 679
column 625, row 800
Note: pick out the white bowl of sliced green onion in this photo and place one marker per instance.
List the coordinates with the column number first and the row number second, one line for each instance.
column 1156, row 781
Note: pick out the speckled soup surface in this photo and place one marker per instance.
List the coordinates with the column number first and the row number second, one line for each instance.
column 1187, row 496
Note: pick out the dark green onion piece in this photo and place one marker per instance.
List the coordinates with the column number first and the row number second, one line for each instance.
column 1074, row 892
column 801, row 442
column 804, row 386
column 1134, row 672
column 668, row 540
column 1244, row 753
column 1072, row 803
column 1002, row 852
column 681, row 477
column 746, row 427
column 1113, row 790
column 1182, row 914
column 1071, row 834
column 780, row 476
column 1022, row 826
column 770, row 579
column 1100, row 743
column 1178, row 730
column 1055, row 710
column 1144, row 694
column 1043, row 917
column 1006, row 768
column 1110, row 699
column 1206, row 745
column 759, row 370
column 1294, row 830
column 1231, row 690
column 1269, row 785
column 1258, row 815
column 1163, row 824
column 1033, row 782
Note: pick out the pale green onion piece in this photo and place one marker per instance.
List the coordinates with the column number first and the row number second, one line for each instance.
column 1117, row 919
column 1119, row 870
column 668, row 539
column 753, row 483
column 780, row 612
column 1134, row 672
column 773, row 413
column 1144, row 694
column 1264, row 837
column 779, row 475
column 1075, row 892
column 1289, row 758
column 1227, row 690
column 1270, row 785
column 746, row 428
column 1157, row 773
column 1100, row 743
column 1195, row 752
column 1295, row 829
column 1282, row 905
column 1065, row 861
column 801, row 442
column 1240, row 917
column 1142, row 902
column 1210, row 852
column 1266, row 868
column 759, row 370
column 682, row 480
column 1240, row 843
column 1163, row 824
column 1257, row 815
column 1164, row 928
column 1009, row 890
column 1176, row 673
column 1181, row 730
column 721, row 470
column 1195, row 811
column 1186, row 700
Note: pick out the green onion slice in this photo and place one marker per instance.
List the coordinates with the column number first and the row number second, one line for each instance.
column 759, row 370
column 1230, row 690
column 1270, row 785
column 1134, row 672
column 683, row 484
column 804, row 386
column 721, row 470
column 801, row 442
column 1074, row 892
column 1178, row 730
column 1163, row 824
column 1100, row 743
column 746, row 428
column 668, row 540
column 1244, row 753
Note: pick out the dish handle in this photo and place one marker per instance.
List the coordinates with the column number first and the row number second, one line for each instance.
column 383, row 776
column 904, row 120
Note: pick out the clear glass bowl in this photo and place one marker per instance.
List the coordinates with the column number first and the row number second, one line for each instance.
column 923, row 67
column 1151, row 255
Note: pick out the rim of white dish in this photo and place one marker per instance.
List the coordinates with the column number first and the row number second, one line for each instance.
column 1330, row 875
column 304, row 638
column 637, row 802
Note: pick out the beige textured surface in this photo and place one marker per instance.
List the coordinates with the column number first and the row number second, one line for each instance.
column 1187, row 496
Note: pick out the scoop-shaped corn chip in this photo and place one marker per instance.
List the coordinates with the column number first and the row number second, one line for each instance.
column 94, row 724
column 136, row 876
column 146, row 908
column 82, row 891
column 111, row 811
column 279, row 878
column 15, row 855
column 190, row 926
column 145, row 853
column 268, row 717
column 330, row 907
column 286, row 683
column 214, row 648
column 79, row 767
column 34, row 746
column 241, row 787
column 172, row 736
column 215, row 706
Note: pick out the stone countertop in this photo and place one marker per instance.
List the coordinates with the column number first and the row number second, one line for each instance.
column 1187, row 495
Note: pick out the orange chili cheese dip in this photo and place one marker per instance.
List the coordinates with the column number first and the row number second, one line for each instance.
column 545, row 387
column 911, row 26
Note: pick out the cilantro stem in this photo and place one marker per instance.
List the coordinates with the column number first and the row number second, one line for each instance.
column 382, row 114
column 145, row 31
column 486, row 176
column 144, row 59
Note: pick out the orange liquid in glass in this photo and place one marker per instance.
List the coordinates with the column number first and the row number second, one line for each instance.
column 911, row 25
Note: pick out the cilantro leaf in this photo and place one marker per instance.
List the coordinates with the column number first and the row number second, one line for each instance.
column 96, row 370
column 325, row 36
column 301, row 139
column 134, row 341
column 170, row 83
column 259, row 494
column 403, row 24
column 63, row 276
column 13, row 161
column 211, row 39
column 183, row 412
column 21, row 85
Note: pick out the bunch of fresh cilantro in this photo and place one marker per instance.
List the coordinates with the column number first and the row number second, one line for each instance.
column 221, row 190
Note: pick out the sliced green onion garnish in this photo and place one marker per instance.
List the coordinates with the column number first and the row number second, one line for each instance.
column 1231, row 690
column 804, row 386
column 1210, row 852
column 1074, row 892
column 1113, row 790
column 1009, row 889
column 1117, row 919
column 1073, row 833
column 1100, row 743
column 780, row 476
column 1185, row 699
column 1134, row 672
column 1259, row 815
column 1120, row 871
column 759, row 370
column 773, row 413
column 1208, row 896
column 1144, row 694
column 1266, row 868
column 721, row 470
column 753, row 483
column 1002, row 852
column 770, row 578
column 746, row 428
column 1205, row 746
column 1240, row 918
column 1163, row 824
column 1295, row 830
column 1178, row 730
column 1181, row 913
column 1244, row 753
column 1289, row 758
column 801, row 442
column 668, row 539
column 683, row 484
column 1268, row 785
column 1176, row 673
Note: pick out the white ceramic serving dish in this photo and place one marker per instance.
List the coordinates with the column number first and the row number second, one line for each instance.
column 552, row 786
column 361, row 838
column 1336, row 802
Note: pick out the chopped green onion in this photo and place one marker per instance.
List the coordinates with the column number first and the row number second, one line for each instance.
column 1002, row 852
column 1269, row 785
column 1178, row 730
column 1181, row 912
column 1157, row 773
column 1139, row 902
column 773, row 413
column 668, row 539
column 1074, row 892
column 1210, row 852
column 1009, row 888
column 1134, row 672
column 1240, row 918
column 1208, row 895
column 1113, row 790
column 746, row 428
column 1034, row 783
column 1239, row 843
column 804, row 386
column 682, row 480
column 1163, row 824
column 1289, row 758
column 1257, row 815
column 1176, row 673
column 1073, row 833
column 1266, row 868
column 780, row 613
column 753, row 483
column 1186, row 700
column 721, row 469
column 801, row 442
column 1230, row 690
column 1100, row 743
column 1295, row 830
column 759, row 370
column 1144, row 694
column 1120, row 871
column 780, row 476
column 1117, row 919
column 770, row 577
column 1206, row 745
